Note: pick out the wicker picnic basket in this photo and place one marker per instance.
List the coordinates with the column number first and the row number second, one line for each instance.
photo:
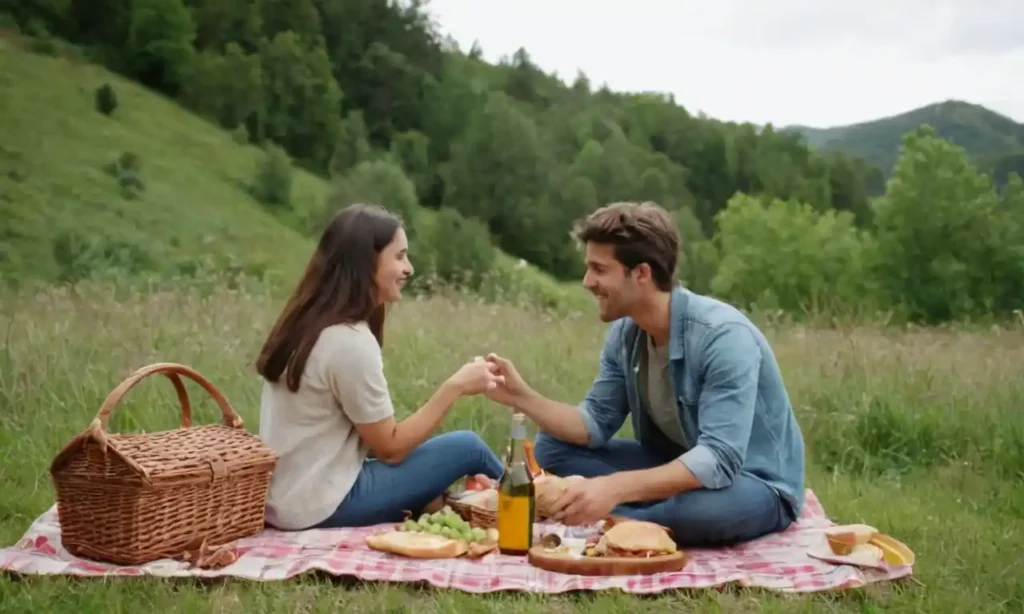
column 475, row 515
column 134, row 498
column 468, row 507
column 480, row 509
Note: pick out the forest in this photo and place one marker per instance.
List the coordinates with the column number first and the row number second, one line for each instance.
column 368, row 94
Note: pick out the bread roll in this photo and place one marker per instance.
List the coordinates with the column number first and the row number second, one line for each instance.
column 842, row 539
column 547, row 489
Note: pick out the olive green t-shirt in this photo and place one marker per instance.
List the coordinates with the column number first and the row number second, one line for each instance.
column 656, row 389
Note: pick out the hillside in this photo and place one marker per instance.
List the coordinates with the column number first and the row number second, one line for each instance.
column 476, row 156
column 342, row 84
column 66, row 217
column 987, row 136
column 64, row 212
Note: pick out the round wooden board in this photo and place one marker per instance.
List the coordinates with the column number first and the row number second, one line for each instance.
column 605, row 565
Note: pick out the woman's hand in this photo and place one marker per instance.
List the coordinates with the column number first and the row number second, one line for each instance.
column 476, row 377
column 393, row 441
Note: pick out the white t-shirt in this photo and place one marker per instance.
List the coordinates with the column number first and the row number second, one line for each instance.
column 320, row 452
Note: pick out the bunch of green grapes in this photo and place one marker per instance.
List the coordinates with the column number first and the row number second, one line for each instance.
column 445, row 523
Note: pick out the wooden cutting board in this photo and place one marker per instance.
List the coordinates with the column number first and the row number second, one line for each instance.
column 605, row 565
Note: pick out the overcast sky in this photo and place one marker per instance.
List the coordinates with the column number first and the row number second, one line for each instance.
column 814, row 62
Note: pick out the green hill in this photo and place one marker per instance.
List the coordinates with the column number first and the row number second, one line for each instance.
column 373, row 92
column 63, row 210
column 989, row 138
column 67, row 217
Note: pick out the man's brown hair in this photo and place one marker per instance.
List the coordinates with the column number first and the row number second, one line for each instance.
column 640, row 232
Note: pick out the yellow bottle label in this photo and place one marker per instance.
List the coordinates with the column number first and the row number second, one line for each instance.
column 515, row 522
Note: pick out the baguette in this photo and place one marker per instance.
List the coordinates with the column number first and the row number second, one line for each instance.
column 417, row 545
column 423, row 545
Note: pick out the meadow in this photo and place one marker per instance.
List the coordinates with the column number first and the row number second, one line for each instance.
column 916, row 431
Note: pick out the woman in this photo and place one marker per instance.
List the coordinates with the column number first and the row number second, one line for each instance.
column 326, row 410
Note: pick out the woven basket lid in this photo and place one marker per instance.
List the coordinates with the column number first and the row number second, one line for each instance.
column 203, row 453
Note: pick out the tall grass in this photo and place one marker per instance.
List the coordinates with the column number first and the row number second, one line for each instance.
column 918, row 432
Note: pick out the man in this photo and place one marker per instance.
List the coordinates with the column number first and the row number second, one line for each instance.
column 718, row 456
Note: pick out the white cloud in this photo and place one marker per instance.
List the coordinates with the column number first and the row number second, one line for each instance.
column 780, row 61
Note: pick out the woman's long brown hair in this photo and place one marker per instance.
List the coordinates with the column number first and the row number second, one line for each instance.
column 337, row 287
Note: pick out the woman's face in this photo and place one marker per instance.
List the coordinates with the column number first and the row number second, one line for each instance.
column 393, row 268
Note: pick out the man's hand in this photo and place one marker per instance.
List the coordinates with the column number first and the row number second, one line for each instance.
column 559, row 420
column 585, row 501
column 514, row 389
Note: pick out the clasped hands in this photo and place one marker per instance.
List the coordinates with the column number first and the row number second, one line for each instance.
column 477, row 376
column 585, row 500
column 494, row 376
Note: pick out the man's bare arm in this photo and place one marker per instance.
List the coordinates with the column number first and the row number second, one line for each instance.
column 599, row 416
column 654, row 484
column 560, row 420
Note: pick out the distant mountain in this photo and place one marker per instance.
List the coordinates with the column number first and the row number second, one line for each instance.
column 994, row 142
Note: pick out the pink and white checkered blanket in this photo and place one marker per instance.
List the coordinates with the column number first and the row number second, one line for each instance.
column 778, row 562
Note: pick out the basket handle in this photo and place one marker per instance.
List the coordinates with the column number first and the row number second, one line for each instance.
column 172, row 371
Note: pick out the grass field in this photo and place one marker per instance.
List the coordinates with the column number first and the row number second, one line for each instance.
column 917, row 432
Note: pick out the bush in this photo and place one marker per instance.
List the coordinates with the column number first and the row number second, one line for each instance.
column 455, row 250
column 41, row 40
column 127, row 169
column 80, row 256
column 106, row 99
column 949, row 248
column 73, row 254
column 785, row 255
column 240, row 134
column 9, row 23
column 273, row 182
column 380, row 182
column 44, row 45
column 698, row 258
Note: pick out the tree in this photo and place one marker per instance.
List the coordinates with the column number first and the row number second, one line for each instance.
column 379, row 182
column 225, row 87
column 499, row 173
column 784, row 254
column 159, row 46
column 301, row 100
column 456, row 250
column 945, row 245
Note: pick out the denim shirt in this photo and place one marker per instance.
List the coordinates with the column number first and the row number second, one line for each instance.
column 732, row 402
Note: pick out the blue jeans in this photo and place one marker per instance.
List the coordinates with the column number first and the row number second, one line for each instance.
column 382, row 491
column 745, row 510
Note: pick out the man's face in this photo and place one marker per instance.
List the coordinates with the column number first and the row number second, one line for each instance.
column 608, row 280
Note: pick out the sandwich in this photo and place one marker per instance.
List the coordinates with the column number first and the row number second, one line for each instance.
column 844, row 539
column 634, row 539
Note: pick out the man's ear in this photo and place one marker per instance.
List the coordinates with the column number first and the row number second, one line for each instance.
column 643, row 272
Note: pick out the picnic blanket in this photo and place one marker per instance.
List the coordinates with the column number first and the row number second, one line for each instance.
column 778, row 562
